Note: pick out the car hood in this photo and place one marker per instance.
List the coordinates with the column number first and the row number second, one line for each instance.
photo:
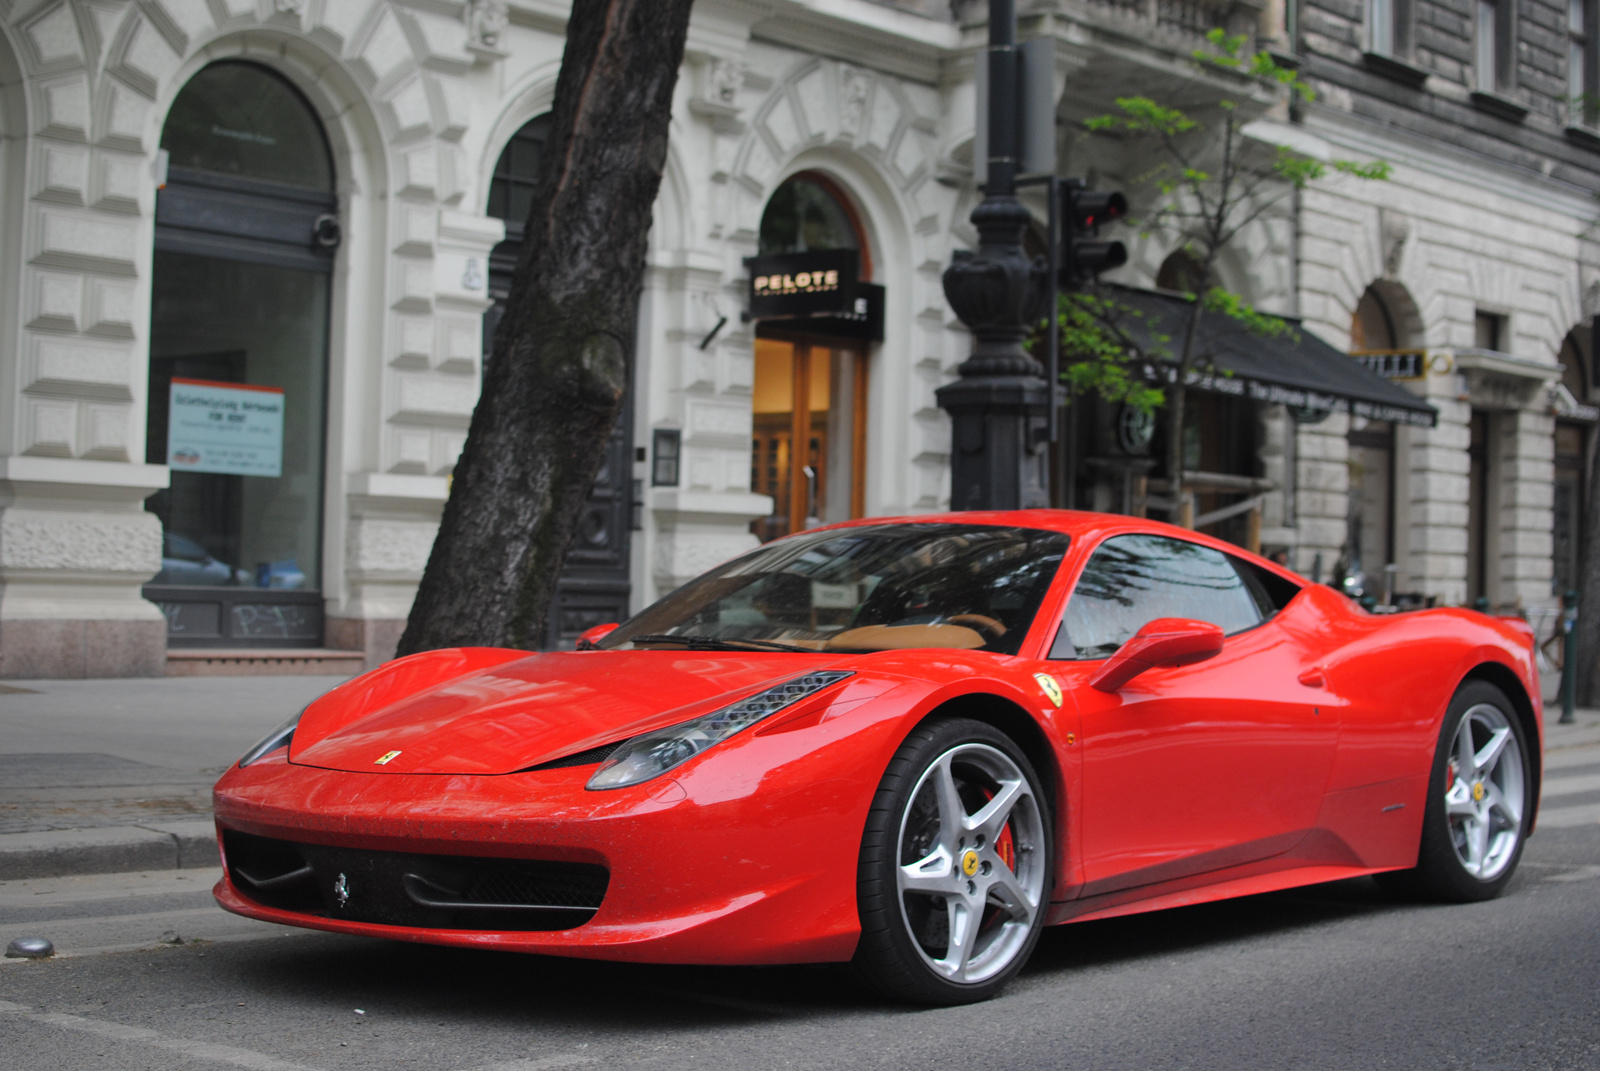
column 531, row 710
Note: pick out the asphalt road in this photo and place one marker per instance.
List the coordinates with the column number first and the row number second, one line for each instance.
column 1330, row 977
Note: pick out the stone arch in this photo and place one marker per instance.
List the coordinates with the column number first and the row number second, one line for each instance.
column 863, row 120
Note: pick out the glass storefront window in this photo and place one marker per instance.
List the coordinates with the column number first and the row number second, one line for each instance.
column 245, row 240
column 231, row 322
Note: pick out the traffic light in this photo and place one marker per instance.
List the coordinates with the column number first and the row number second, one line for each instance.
column 1082, row 212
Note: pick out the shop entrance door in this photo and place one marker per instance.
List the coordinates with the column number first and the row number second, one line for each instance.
column 808, row 447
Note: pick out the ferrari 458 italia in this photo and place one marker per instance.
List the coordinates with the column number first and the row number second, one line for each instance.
column 905, row 744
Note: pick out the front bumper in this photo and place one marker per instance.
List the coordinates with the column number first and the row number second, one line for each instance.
column 702, row 870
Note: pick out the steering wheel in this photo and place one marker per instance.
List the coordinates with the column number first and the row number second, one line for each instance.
column 986, row 625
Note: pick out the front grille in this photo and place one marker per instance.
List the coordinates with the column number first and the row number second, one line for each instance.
column 446, row 892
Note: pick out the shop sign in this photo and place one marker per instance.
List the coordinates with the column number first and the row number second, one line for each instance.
column 225, row 427
column 1394, row 364
column 863, row 320
column 802, row 284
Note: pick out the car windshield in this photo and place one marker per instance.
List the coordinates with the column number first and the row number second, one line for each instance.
column 869, row 588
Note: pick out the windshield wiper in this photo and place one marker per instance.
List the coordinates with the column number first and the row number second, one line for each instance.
column 717, row 643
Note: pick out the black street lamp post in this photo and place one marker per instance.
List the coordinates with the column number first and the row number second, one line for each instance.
column 1000, row 405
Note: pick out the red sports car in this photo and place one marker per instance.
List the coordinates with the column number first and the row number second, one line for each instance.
column 909, row 744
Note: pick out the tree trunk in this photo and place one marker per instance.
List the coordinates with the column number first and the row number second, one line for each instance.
column 563, row 352
column 1176, row 405
column 1586, row 674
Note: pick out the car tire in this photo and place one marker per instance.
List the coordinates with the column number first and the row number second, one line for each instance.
column 1480, row 803
column 926, row 873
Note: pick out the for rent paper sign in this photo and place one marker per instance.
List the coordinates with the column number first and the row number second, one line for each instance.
column 225, row 427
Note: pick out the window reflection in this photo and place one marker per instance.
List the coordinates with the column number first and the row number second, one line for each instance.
column 878, row 587
column 1135, row 579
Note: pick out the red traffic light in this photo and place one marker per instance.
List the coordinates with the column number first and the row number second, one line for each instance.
column 1090, row 208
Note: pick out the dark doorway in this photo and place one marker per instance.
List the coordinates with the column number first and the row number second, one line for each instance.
column 246, row 228
column 1478, row 509
column 595, row 586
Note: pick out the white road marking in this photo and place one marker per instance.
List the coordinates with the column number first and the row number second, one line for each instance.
column 1589, row 755
column 1582, row 873
column 1567, row 817
column 540, row 1063
column 201, row 1050
column 1571, row 786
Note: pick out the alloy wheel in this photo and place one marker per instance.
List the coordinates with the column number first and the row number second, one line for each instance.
column 1485, row 793
column 971, row 874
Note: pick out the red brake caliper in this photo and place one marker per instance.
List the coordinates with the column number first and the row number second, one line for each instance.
column 1005, row 846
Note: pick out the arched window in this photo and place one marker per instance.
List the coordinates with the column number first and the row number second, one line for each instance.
column 517, row 172
column 511, row 185
column 246, row 232
column 1181, row 273
column 243, row 120
column 809, row 213
column 1372, row 325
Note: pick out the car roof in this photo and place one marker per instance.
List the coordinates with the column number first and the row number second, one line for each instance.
column 1084, row 526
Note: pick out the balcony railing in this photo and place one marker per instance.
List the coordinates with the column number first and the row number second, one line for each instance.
column 1188, row 18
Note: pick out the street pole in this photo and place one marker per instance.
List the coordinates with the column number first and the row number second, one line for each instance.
column 1000, row 405
column 1569, row 656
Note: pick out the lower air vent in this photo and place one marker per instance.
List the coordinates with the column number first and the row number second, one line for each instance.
column 422, row 891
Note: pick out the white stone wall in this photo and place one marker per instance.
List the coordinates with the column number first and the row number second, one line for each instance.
column 1448, row 235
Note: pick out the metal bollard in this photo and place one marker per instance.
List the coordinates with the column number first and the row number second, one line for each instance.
column 1569, row 658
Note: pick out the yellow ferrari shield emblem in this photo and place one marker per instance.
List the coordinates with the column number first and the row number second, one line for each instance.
column 386, row 758
column 1477, row 792
column 969, row 863
column 1051, row 688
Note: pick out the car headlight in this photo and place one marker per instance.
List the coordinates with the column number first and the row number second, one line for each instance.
column 655, row 753
column 279, row 737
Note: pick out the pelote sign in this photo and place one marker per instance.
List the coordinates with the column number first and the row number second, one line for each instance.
column 802, row 284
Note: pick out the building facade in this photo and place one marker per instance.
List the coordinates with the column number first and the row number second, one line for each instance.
column 250, row 251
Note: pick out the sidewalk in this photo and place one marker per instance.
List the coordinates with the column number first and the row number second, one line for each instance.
column 99, row 777
column 104, row 776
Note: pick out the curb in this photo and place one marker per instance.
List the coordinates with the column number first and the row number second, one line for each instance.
column 108, row 850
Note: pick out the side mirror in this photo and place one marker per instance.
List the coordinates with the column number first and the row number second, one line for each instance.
column 590, row 638
column 1166, row 641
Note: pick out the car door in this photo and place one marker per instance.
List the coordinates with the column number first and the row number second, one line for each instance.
column 1195, row 768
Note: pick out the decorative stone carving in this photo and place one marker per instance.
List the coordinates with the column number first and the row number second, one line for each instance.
column 486, row 21
column 1394, row 228
column 726, row 78
column 853, row 86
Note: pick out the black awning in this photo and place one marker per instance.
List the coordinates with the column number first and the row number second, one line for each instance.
column 1295, row 368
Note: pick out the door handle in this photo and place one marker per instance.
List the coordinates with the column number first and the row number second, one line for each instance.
column 1313, row 678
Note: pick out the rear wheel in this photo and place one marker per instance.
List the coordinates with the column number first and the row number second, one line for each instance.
column 954, row 870
column 1479, row 802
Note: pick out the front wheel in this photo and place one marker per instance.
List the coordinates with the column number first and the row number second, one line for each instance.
column 954, row 872
column 1479, row 802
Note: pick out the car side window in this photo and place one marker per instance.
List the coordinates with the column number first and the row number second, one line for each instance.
column 1134, row 579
